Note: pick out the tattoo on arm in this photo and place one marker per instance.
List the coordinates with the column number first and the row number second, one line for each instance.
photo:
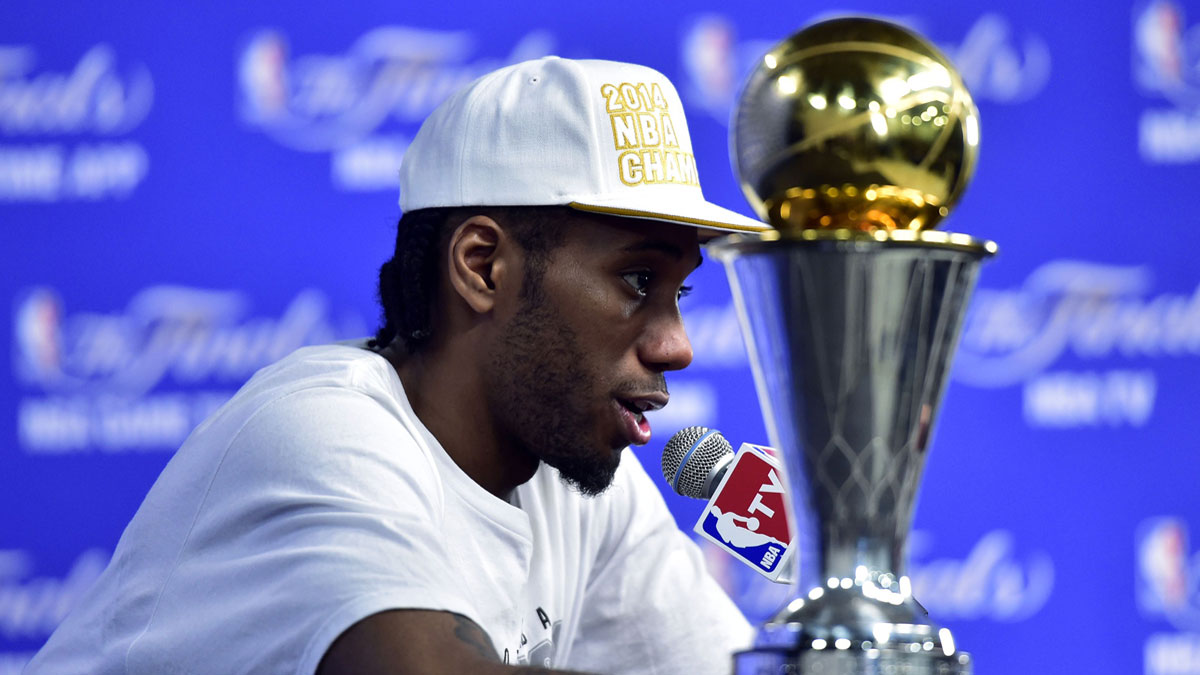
column 470, row 634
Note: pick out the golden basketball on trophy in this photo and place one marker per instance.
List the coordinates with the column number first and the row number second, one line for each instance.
column 855, row 124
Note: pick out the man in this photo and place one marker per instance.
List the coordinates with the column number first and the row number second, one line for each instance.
column 452, row 496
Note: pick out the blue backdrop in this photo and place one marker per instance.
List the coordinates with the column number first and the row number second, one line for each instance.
column 187, row 194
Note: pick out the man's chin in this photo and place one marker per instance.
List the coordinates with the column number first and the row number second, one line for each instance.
column 587, row 477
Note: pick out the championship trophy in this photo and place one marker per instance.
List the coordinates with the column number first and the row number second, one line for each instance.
column 853, row 138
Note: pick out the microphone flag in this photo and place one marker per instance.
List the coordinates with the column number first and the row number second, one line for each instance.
column 747, row 515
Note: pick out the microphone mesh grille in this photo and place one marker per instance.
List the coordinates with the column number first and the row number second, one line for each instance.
column 698, row 465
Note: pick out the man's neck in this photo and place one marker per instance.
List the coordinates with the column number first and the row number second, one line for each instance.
column 454, row 408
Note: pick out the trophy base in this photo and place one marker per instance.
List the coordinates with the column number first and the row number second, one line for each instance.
column 843, row 632
column 896, row 660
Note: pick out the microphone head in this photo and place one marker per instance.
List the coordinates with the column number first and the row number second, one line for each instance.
column 693, row 459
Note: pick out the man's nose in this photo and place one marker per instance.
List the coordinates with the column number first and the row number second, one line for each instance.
column 665, row 345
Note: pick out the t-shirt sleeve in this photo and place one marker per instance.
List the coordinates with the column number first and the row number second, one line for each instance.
column 324, row 510
column 650, row 605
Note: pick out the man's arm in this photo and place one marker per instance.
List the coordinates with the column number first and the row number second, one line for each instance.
column 416, row 641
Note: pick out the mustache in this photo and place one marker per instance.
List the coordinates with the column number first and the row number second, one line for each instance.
column 630, row 388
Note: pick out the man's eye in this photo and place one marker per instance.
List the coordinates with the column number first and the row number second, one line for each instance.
column 684, row 291
column 640, row 281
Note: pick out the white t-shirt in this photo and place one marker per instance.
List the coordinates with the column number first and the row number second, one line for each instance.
column 316, row 498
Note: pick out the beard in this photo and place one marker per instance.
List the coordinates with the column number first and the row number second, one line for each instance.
column 540, row 394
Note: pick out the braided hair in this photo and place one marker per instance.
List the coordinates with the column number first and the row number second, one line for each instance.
column 408, row 282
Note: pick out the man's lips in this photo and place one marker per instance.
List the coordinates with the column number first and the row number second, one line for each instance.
column 631, row 409
column 640, row 403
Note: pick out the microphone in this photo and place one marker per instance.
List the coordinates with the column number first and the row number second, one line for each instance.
column 747, row 513
column 695, row 460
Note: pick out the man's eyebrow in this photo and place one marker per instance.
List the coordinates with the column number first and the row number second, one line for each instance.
column 661, row 246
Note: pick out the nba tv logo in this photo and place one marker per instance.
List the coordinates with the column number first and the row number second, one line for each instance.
column 747, row 515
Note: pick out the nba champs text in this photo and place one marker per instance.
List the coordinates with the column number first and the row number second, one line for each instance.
column 648, row 148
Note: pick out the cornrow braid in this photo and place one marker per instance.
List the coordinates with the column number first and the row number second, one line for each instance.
column 408, row 282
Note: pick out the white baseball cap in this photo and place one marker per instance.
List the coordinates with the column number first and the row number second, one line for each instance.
column 598, row 136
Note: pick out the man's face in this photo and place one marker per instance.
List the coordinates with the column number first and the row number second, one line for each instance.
column 585, row 352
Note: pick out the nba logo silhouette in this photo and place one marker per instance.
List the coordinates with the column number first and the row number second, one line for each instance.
column 747, row 515
column 1163, row 566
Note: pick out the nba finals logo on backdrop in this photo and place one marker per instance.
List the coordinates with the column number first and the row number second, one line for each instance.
column 645, row 136
column 747, row 515
column 1166, row 65
column 1080, row 338
column 63, row 130
column 1168, row 588
column 997, row 579
column 141, row 378
column 363, row 106
column 35, row 600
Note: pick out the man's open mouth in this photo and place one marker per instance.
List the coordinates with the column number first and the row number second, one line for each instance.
column 631, row 411
column 632, row 407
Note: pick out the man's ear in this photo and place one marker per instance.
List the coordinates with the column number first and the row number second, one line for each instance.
column 478, row 261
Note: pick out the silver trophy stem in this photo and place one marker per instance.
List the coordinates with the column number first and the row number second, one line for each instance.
column 850, row 341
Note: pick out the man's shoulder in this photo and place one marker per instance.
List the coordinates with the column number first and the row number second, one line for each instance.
column 330, row 417
column 343, row 374
column 342, row 364
column 315, row 396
